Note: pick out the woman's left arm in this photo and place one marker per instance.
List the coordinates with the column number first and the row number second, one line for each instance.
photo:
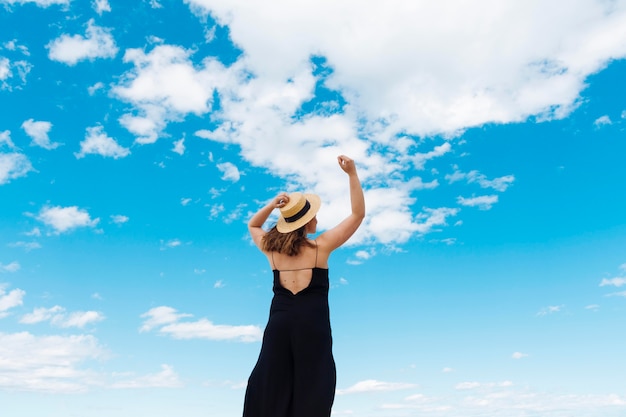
column 255, row 225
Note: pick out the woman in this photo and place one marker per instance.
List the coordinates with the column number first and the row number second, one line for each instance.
column 295, row 373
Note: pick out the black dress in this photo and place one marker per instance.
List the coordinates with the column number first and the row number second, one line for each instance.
column 295, row 373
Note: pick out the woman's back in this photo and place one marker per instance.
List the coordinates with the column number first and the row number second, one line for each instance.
column 296, row 272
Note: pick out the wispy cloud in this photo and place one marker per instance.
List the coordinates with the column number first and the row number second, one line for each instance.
column 167, row 378
column 498, row 184
column 40, row 3
column 483, row 202
column 119, row 219
column 169, row 244
column 519, row 355
column 169, row 323
column 613, row 282
column 11, row 267
column 27, row 246
column 549, row 310
column 372, row 385
column 475, row 385
column 58, row 316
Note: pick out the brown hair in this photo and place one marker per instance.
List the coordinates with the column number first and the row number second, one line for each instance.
column 286, row 243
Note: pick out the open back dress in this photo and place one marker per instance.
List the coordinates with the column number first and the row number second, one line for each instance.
column 295, row 374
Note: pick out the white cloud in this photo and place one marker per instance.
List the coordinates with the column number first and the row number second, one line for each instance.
column 97, row 86
column 5, row 68
column 483, row 202
column 64, row 219
column 47, row 363
column 215, row 211
column 602, row 121
column 78, row 319
column 372, row 385
column 9, row 300
column 179, row 147
column 474, row 385
column 549, row 310
column 498, row 184
column 504, row 400
column 35, row 232
column 363, row 254
column 40, row 3
column 38, row 132
column 5, row 139
column 119, row 219
column 101, row 6
column 97, row 43
column 97, row 142
column 467, row 385
column 167, row 378
column 12, row 267
column 13, row 165
column 159, row 316
column 501, row 79
column 28, row 246
column 615, row 282
column 58, row 316
column 165, row 86
column 185, row 201
column 168, row 319
column 454, row 78
column 9, row 69
column 41, row 314
column 519, row 355
column 229, row 171
column 219, row 284
column 419, row 159
column 172, row 243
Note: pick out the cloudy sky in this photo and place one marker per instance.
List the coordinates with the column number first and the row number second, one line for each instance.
column 136, row 139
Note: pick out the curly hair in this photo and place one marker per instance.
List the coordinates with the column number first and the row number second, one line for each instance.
column 285, row 243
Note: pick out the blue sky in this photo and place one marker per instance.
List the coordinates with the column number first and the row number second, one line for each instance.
column 136, row 139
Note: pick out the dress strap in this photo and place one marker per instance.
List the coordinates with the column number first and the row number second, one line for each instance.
column 315, row 252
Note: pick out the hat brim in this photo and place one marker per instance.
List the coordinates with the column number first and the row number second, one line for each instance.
column 285, row 227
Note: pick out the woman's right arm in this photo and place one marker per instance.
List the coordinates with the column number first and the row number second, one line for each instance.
column 338, row 235
column 255, row 225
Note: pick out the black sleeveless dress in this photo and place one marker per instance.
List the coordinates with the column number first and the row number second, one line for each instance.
column 295, row 374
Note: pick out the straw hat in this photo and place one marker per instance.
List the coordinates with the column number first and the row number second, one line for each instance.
column 300, row 210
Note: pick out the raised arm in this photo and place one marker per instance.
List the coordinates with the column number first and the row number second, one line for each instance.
column 338, row 235
column 255, row 225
